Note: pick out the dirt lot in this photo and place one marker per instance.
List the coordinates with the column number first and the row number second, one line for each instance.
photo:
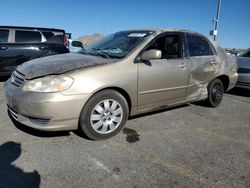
column 191, row 146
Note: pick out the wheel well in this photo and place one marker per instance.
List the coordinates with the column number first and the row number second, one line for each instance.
column 225, row 81
column 123, row 93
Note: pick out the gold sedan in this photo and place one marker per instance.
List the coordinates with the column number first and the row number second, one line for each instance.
column 121, row 75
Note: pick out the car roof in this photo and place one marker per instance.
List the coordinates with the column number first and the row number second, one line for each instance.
column 162, row 30
column 32, row 28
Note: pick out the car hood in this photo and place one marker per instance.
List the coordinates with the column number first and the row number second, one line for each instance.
column 244, row 62
column 58, row 64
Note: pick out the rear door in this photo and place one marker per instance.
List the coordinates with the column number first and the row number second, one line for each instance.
column 26, row 45
column 164, row 81
column 203, row 64
column 5, row 35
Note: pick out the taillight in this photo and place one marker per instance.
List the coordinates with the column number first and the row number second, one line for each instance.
column 65, row 41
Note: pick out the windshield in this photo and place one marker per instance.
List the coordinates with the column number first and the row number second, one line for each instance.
column 116, row 45
column 245, row 53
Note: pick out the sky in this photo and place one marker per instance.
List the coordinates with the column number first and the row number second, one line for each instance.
column 82, row 17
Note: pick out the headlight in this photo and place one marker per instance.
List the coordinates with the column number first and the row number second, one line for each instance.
column 52, row 83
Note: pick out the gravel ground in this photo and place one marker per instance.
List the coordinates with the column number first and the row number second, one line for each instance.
column 190, row 146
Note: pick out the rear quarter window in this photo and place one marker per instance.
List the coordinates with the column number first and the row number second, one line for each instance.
column 28, row 36
column 4, row 35
column 198, row 46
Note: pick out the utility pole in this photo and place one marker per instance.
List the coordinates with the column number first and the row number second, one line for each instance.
column 216, row 21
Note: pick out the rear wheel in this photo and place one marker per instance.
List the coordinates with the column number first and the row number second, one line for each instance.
column 215, row 93
column 104, row 115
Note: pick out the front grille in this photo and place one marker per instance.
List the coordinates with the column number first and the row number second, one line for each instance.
column 17, row 78
column 243, row 70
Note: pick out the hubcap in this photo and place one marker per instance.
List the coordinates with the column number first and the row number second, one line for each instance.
column 217, row 93
column 106, row 116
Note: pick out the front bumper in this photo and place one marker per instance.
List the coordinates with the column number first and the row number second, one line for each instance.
column 244, row 80
column 44, row 111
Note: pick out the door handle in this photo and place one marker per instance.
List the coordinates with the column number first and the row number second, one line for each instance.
column 42, row 47
column 3, row 47
column 182, row 65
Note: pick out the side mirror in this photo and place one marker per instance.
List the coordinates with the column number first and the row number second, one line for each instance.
column 77, row 44
column 151, row 55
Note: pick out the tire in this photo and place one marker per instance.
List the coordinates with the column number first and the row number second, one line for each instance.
column 104, row 115
column 215, row 93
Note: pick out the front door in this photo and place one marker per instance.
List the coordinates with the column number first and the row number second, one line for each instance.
column 163, row 82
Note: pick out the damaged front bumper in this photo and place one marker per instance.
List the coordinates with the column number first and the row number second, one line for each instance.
column 44, row 111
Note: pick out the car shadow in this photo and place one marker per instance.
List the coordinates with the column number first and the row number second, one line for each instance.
column 239, row 92
column 35, row 132
column 202, row 103
column 125, row 130
column 157, row 111
column 10, row 174
column 81, row 134
column 78, row 132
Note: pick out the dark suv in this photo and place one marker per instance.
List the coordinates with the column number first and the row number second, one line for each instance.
column 20, row 44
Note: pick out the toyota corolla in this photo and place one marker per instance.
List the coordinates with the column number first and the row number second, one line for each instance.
column 121, row 75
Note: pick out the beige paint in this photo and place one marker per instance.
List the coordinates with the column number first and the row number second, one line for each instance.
column 162, row 84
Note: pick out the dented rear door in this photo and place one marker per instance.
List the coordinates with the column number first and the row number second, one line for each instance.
column 203, row 64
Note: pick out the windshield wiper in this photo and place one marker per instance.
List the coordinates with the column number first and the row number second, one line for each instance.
column 101, row 53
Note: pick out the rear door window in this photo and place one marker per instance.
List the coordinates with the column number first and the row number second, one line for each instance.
column 198, row 46
column 48, row 35
column 4, row 35
column 28, row 36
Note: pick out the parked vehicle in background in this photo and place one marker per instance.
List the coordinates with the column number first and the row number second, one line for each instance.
column 244, row 69
column 121, row 75
column 245, row 53
column 73, row 48
column 20, row 44
column 68, row 35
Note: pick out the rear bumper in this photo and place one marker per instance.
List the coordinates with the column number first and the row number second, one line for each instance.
column 244, row 80
column 44, row 111
column 243, row 85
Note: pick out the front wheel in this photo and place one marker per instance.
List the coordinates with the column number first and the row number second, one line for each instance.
column 104, row 115
column 215, row 93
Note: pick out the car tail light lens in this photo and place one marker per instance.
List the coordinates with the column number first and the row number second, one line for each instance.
column 65, row 41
